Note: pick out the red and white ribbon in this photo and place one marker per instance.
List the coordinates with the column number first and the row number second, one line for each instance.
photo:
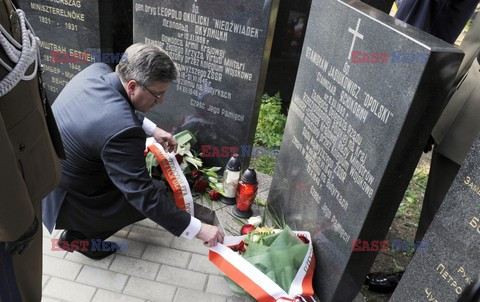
column 175, row 177
column 256, row 283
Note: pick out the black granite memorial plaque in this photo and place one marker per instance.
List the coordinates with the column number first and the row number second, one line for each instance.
column 221, row 49
column 287, row 45
column 450, row 260
column 75, row 34
column 368, row 92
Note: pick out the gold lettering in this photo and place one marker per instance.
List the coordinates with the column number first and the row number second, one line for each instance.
column 72, row 14
column 442, row 267
column 474, row 223
column 445, row 275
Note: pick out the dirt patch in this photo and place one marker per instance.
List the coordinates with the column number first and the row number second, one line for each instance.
column 403, row 227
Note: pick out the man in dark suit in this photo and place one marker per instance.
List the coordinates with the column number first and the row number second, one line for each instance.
column 456, row 129
column 105, row 185
column 458, row 125
column 445, row 19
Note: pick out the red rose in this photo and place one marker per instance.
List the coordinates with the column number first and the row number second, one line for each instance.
column 239, row 247
column 179, row 159
column 303, row 238
column 196, row 173
column 247, row 228
column 201, row 185
column 214, row 195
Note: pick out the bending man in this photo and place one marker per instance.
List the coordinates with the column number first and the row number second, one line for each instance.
column 105, row 185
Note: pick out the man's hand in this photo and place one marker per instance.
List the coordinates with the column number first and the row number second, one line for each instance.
column 165, row 139
column 210, row 235
column 21, row 244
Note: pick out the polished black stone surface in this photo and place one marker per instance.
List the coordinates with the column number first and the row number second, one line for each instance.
column 79, row 32
column 451, row 260
column 287, row 45
column 383, row 5
column 355, row 132
column 222, row 50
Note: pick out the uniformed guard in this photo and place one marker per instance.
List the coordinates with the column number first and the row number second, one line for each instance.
column 29, row 165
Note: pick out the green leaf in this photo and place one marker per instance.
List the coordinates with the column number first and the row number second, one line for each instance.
column 260, row 202
column 212, row 169
column 240, row 221
column 194, row 161
column 151, row 162
column 217, row 188
column 209, row 201
column 271, row 122
column 184, row 137
column 211, row 174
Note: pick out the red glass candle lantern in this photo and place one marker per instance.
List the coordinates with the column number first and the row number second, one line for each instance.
column 246, row 193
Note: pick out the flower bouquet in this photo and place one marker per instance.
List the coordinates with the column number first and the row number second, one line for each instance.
column 267, row 263
column 181, row 168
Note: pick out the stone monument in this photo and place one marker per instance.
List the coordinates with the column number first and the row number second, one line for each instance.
column 221, row 49
column 368, row 92
column 451, row 260
column 75, row 34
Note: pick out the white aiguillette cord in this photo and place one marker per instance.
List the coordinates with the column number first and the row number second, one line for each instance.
column 22, row 55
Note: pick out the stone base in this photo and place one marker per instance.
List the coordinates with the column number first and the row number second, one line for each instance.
column 222, row 216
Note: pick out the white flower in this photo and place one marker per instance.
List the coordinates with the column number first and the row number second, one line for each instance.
column 255, row 238
column 255, row 220
column 182, row 150
column 212, row 179
column 276, row 231
column 193, row 160
column 183, row 166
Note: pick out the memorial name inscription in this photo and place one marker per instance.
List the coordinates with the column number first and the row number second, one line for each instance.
column 332, row 111
column 219, row 51
column 354, row 135
column 201, row 65
column 64, row 17
column 452, row 261
column 73, row 36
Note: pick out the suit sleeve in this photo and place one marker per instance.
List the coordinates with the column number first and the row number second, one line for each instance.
column 16, row 211
column 147, row 125
column 471, row 46
column 124, row 161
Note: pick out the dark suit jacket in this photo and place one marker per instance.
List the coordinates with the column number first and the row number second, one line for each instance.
column 444, row 19
column 458, row 126
column 104, row 184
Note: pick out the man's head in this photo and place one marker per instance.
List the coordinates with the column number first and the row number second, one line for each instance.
column 146, row 74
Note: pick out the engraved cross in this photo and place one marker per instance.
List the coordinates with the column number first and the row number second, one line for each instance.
column 356, row 35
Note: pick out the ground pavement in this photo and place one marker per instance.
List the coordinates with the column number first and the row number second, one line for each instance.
column 156, row 266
